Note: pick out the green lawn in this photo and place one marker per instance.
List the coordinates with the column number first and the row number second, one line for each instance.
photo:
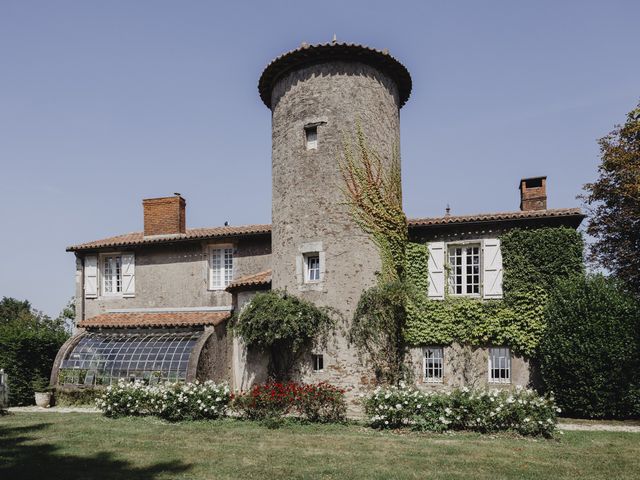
column 88, row 446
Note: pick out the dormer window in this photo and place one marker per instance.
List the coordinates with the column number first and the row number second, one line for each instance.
column 311, row 137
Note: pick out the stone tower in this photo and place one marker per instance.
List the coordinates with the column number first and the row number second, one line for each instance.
column 316, row 95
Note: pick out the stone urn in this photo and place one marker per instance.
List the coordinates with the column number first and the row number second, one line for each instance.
column 43, row 399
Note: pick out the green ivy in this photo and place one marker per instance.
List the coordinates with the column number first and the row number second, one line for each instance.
column 533, row 260
column 540, row 257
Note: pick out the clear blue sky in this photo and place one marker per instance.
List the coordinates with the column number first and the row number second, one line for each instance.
column 103, row 103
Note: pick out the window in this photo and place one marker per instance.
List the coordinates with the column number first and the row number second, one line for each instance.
column 433, row 364
column 311, row 136
column 111, row 275
column 464, row 273
column 499, row 365
column 101, row 358
column 318, row 362
column 312, row 267
column 220, row 267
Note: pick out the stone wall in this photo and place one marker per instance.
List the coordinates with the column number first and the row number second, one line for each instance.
column 308, row 204
column 176, row 275
column 466, row 366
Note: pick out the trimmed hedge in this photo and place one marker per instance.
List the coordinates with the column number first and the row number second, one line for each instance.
column 590, row 353
column 487, row 411
column 27, row 352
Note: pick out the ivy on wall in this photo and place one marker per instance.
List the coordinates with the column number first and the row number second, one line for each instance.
column 532, row 261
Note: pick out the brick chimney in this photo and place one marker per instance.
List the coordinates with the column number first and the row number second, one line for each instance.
column 533, row 193
column 164, row 216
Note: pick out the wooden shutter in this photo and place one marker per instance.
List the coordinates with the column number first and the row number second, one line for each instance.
column 128, row 275
column 91, row 276
column 492, row 268
column 436, row 270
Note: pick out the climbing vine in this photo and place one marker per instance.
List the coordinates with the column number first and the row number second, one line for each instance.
column 374, row 195
column 282, row 325
column 533, row 260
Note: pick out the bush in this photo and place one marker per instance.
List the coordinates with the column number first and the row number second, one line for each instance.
column 313, row 402
column 27, row 351
column 282, row 325
column 487, row 411
column 171, row 401
column 73, row 397
column 590, row 353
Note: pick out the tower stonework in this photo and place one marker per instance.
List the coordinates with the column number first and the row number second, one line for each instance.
column 317, row 95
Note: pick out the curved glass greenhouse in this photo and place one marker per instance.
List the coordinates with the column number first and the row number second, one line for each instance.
column 100, row 358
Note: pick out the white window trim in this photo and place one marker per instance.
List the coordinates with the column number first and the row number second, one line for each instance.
column 465, row 243
column 310, row 248
column 424, row 365
column 210, row 249
column 508, row 367
column 305, row 267
column 100, row 272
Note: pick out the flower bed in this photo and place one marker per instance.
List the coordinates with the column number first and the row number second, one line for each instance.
column 521, row 410
column 171, row 401
column 319, row 402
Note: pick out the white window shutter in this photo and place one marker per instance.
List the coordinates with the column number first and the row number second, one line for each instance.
column 128, row 275
column 91, row 276
column 492, row 270
column 436, row 270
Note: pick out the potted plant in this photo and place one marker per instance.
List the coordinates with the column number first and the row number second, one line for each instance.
column 42, row 392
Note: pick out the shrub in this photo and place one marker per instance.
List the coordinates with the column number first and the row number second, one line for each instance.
column 590, row 353
column 321, row 402
column 521, row 410
column 282, row 325
column 313, row 402
column 71, row 397
column 28, row 348
column 171, row 401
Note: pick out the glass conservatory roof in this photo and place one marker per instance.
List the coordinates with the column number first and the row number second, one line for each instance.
column 103, row 358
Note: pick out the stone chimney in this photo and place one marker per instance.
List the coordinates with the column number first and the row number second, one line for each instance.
column 533, row 193
column 164, row 216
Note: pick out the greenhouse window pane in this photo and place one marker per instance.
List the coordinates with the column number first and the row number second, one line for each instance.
column 103, row 358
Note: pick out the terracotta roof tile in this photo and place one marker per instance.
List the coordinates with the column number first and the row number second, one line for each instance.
column 308, row 54
column 164, row 319
column 255, row 280
column 493, row 217
column 138, row 238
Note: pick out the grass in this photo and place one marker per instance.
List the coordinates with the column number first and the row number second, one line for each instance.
column 90, row 446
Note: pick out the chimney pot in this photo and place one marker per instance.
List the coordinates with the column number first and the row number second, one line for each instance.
column 164, row 215
column 533, row 193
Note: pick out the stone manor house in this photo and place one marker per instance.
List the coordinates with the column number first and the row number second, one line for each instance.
column 154, row 305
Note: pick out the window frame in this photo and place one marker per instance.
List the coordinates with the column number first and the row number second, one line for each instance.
column 507, row 367
column 451, row 286
column 225, row 278
column 310, row 130
column 307, row 257
column 102, row 277
column 425, row 377
column 317, row 362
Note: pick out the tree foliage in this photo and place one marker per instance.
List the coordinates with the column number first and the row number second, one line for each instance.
column 282, row 325
column 614, row 203
column 590, row 352
column 29, row 342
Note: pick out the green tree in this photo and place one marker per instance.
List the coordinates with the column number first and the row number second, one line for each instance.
column 590, row 352
column 614, row 203
column 29, row 342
